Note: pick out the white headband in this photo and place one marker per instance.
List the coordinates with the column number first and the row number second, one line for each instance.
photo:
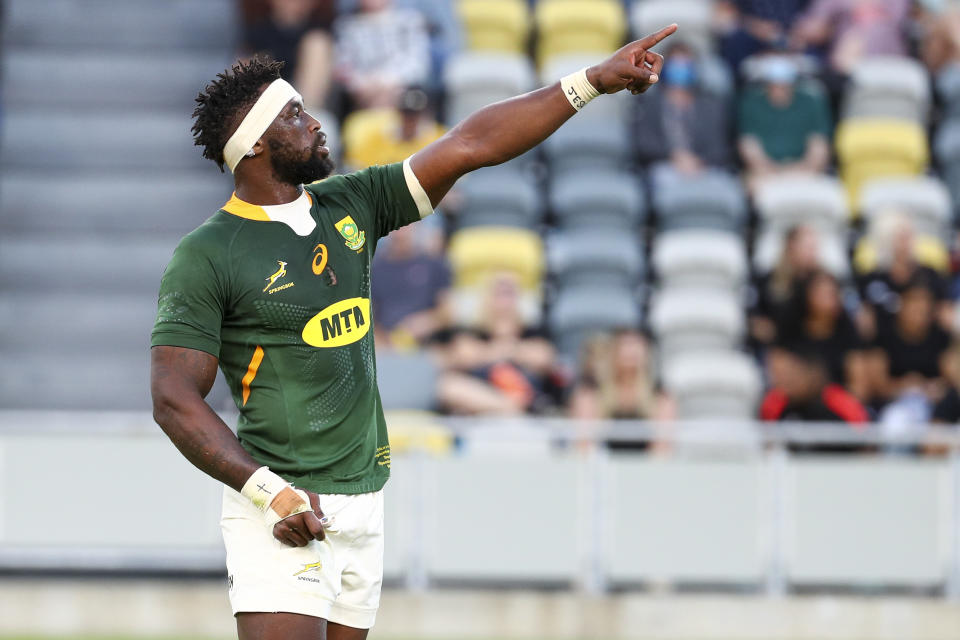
column 264, row 111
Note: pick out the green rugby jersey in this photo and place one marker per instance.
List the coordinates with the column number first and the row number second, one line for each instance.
column 288, row 316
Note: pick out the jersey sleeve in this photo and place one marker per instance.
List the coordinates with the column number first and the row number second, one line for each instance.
column 192, row 299
column 392, row 194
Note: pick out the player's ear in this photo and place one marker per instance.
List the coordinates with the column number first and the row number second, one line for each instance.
column 256, row 149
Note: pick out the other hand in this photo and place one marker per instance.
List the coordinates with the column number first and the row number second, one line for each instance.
column 299, row 530
column 633, row 67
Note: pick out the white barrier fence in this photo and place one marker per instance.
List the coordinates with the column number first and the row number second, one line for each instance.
column 523, row 502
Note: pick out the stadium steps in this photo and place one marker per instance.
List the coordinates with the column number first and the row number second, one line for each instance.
column 98, row 180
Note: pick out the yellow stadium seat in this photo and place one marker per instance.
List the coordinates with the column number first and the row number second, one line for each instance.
column 870, row 148
column 369, row 138
column 419, row 431
column 928, row 250
column 496, row 25
column 477, row 253
column 579, row 26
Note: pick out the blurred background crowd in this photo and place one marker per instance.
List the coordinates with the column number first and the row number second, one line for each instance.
column 769, row 217
column 770, row 232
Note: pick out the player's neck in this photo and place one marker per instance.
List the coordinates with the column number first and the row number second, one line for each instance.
column 266, row 192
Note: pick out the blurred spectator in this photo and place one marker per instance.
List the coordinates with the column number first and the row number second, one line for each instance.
column 499, row 367
column 380, row 50
column 748, row 27
column 816, row 322
column 853, row 29
column 771, row 292
column 617, row 382
column 783, row 128
column 897, row 268
column 939, row 30
column 384, row 137
column 297, row 32
column 410, row 289
column 679, row 124
column 911, row 359
column 806, row 393
column 947, row 408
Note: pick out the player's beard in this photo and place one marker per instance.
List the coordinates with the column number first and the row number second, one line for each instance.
column 290, row 167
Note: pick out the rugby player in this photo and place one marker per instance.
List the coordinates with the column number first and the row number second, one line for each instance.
column 274, row 289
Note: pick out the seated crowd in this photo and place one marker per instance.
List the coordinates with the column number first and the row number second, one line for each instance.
column 874, row 341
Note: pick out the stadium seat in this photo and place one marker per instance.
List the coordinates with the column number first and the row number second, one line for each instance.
column 579, row 26
column 585, row 256
column 93, row 263
column 495, row 25
column 98, row 140
column 141, row 25
column 606, row 200
column 870, row 148
column 695, row 18
column 581, row 311
column 91, row 78
column 581, row 144
column 78, row 202
column 888, row 87
column 407, row 381
column 947, row 84
column 710, row 200
column 929, row 250
column 700, row 258
column 713, row 385
column 498, row 196
column 476, row 79
column 832, row 246
column 695, row 318
column 925, row 200
column 477, row 253
column 789, row 201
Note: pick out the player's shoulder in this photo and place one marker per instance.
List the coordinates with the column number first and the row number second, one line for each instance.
column 213, row 237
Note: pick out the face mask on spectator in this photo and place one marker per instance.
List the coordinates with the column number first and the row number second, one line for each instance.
column 680, row 72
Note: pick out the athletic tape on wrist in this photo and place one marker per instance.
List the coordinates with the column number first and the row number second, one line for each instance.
column 272, row 517
column 578, row 89
column 262, row 487
column 263, row 112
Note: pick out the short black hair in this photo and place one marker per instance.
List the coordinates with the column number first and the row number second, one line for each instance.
column 222, row 99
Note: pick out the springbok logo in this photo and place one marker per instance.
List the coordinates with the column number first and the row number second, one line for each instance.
column 315, row 566
column 282, row 271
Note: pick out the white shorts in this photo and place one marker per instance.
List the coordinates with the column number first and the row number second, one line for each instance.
column 337, row 579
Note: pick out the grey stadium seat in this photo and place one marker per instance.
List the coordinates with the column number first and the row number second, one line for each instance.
column 695, row 18
column 499, row 196
column 700, row 258
column 169, row 202
column 818, row 201
column 598, row 198
column 578, row 257
column 138, row 25
column 581, row 311
column 91, row 78
column 475, row 79
column 580, row 145
column 946, row 145
column 895, row 86
column 713, row 385
column 407, row 381
column 117, row 140
column 695, row 318
column 711, row 200
column 83, row 263
column 924, row 199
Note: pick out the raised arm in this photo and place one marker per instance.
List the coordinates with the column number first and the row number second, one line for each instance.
column 507, row 129
column 180, row 379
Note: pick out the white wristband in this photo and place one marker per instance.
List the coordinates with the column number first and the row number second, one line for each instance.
column 578, row 89
column 262, row 487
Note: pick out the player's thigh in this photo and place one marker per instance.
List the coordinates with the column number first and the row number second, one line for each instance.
column 342, row 632
column 280, row 626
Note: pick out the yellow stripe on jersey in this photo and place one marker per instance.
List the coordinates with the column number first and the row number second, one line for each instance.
column 251, row 373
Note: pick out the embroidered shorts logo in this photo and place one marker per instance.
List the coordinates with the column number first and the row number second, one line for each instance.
column 314, row 566
column 351, row 233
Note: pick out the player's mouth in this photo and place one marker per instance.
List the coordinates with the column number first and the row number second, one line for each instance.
column 320, row 145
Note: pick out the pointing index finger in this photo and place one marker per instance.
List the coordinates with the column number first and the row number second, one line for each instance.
column 653, row 39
